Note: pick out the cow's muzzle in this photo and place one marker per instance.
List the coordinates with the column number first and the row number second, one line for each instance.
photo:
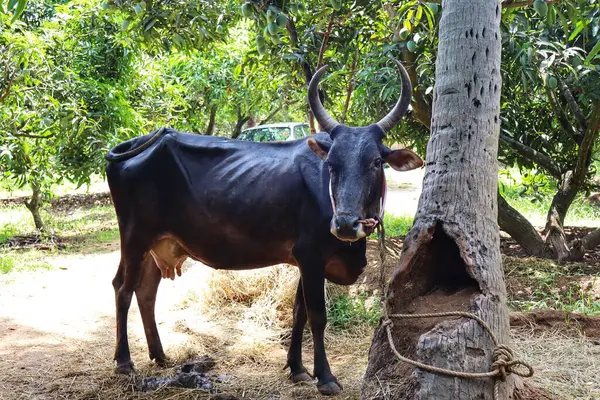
column 350, row 228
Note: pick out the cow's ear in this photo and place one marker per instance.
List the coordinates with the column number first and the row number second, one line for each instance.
column 319, row 147
column 403, row 160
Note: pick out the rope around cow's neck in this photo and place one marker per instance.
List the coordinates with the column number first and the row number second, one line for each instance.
column 503, row 364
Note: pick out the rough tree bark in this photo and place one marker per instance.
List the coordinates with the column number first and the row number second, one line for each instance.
column 451, row 257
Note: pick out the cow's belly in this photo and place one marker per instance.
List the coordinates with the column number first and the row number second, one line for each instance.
column 169, row 253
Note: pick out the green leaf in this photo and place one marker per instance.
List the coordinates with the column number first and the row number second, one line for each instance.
column 595, row 50
column 405, row 7
column 563, row 20
column 149, row 24
column 418, row 15
column 20, row 8
column 11, row 4
column 578, row 28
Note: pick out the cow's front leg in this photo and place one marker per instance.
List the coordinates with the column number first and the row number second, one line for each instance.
column 298, row 372
column 312, row 270
column 314, row 296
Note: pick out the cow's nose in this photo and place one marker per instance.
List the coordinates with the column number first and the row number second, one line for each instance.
column 345, row 226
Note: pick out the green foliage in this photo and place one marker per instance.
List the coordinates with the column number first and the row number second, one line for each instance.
column 543, row 59
column 531, row 194
column 14, row 7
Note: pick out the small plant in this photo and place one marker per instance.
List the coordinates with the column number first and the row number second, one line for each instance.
column 7, row 264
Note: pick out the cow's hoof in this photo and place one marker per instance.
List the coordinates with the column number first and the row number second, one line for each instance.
column 162, row 362
column 301, row 377
column 125, row 368
column 329, row 388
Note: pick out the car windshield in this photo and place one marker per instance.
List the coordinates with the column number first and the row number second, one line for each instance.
column 266, row 134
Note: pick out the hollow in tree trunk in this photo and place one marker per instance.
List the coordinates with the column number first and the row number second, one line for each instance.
column 451, row 257
column 34, row 204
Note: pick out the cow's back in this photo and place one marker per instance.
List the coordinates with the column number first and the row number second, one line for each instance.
column 229, row 203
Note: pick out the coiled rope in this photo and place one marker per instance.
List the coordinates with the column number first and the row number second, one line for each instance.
column 503, row 365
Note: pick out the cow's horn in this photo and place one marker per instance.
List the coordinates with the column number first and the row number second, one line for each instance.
column 394, row 116
column 323, row 118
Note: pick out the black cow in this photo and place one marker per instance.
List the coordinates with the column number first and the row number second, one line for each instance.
column 239, row 205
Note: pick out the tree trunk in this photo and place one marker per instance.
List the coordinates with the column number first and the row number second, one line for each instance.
column 421, row 108
column 580, row 246
column 554, row 230
column 521, row 230
column 570, row 184
column 451, row 257
column 239, row 124
column 210, row 128
column 34, row 205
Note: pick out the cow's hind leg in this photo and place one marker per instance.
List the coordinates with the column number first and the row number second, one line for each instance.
column 145, row 294
column 124, row 283
column 298, row 372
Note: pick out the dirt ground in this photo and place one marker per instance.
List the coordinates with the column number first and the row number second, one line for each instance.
column 57, row 328
column 57, row 338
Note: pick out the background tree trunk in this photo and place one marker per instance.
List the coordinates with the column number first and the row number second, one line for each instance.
column 34, row 205
column 210, row 128
column 521, row 230
column 451, row 257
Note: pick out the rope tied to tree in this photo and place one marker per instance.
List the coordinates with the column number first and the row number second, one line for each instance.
column 503, row 363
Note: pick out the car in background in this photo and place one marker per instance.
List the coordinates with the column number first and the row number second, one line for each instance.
column 276, row 132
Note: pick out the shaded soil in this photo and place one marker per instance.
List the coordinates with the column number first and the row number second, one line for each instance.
column 511, row 248
column 561, row 320
column 67, row 202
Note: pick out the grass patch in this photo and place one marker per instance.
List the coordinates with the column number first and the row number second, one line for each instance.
column 537, row 284
column 17, row 261
column 105, row 236
column 396, row 226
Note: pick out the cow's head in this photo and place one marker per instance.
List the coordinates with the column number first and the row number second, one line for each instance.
column 355, row 158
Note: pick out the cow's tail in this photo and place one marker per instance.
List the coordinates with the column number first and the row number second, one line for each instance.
column 124, row 151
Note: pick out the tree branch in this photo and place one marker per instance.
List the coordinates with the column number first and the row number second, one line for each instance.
column 351, row 83
column 27, row 135
column 7, row 90
column 539, row 158
column 566, row 93
column 421, row 108
column 562, row 117
column 291, row 27
column 587, row 145
column 268, row 117
column 513, row 4
column 520, row 229
column 324, row 42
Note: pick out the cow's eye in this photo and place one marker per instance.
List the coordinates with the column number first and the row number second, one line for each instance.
column 377, row 163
